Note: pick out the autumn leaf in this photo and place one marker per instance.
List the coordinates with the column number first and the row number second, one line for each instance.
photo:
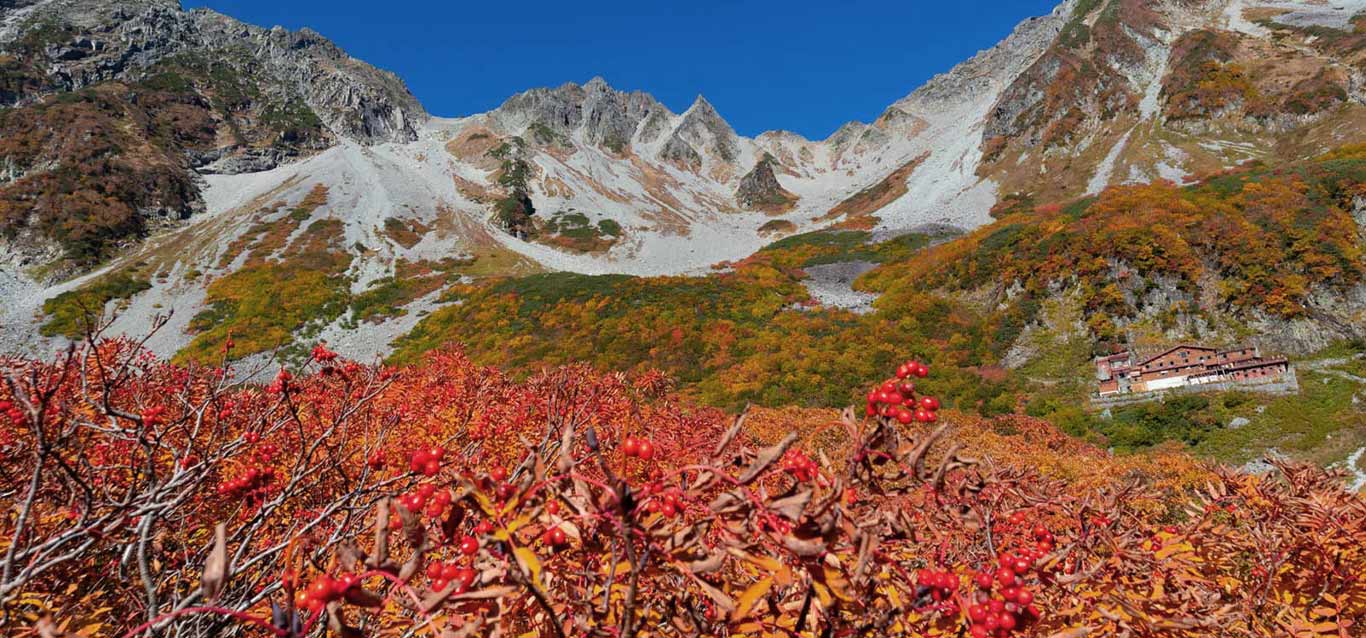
column 751, row 595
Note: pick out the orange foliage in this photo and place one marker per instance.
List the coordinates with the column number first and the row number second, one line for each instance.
column 376, row 501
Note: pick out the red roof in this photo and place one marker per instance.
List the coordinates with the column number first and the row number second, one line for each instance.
column 1174, row 349
column 1257, row 363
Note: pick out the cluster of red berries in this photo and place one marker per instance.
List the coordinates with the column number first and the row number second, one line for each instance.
column 443, row 575
column 324, row 589
column 12, row 412
column 495, row 483
column 940, row 584
column 426, row 462
column 281, row 382
column 1042, row 538
column 1003, row 603
column 665, row 502
column 912, row 369
column 1155, row 542
column 642, row 449
column 376, row 460
column 555, row 537
column 252, row 483
column 800, row 466
column 427, row 500
column 154, row 416
column 896, row 398
column 322, row 355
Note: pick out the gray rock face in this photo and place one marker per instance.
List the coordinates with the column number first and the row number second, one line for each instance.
column 760, row 187
column 704, row 131
column 606, row 117
column 610, row 117
column 678, row 150
column 616, row 120
column 93, row 41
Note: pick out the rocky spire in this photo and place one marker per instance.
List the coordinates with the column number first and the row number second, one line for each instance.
column 702, row 133
column 759, row 189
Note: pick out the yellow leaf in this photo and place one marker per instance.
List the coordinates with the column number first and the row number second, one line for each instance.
column 1173, row 548
column 484, row 502
column 528, row 560
column 834, row 579
column 823, row 595
column 517, row 523
column 751, row 596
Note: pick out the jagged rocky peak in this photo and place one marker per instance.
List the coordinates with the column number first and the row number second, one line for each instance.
column 846, row 135
column 603, row 115
column 982, row 74
column 702, row 133
column 73, row 44
column 759, row 189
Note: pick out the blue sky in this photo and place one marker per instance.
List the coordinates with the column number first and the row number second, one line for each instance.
column 801, row 65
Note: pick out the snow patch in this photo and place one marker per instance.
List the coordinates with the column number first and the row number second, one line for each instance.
column 1101, row 178
column 1335, row 14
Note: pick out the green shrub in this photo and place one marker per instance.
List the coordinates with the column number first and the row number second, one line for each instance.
column 72, row 312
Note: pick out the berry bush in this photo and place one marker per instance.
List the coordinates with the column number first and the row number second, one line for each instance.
column 444, row 498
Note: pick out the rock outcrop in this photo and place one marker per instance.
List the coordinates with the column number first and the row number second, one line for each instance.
column 73, row 44
column 704, row 131
column 135, row 98
column 604, row 116
column 759, row 189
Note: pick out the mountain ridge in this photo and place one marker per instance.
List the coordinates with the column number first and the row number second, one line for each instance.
column 591, row 179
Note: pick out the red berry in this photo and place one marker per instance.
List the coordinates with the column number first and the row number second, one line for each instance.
column 977, row 613
column 466, row 577
column 984, row 580
column 1005, row 577
column 469, row 545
